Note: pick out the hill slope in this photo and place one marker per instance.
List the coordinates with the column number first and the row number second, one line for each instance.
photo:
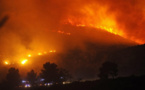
column 130, row 60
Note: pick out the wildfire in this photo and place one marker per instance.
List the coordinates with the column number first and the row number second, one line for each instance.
column 97, row 16
column 106, row 27
column 113, row 30
column 24, row 61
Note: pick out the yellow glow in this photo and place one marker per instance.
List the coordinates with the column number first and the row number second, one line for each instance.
column 39, row 53
column 6, row 62
column 50, row 51
column 111, row 30
column 29, row 55
column 24, row 61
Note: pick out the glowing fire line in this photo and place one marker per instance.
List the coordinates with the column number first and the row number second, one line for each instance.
column 24, row 61
column 108, row 29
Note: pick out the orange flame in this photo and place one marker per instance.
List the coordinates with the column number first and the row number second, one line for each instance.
column 99, row 19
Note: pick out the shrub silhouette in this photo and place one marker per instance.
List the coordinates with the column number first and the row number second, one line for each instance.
column 13, row 77
column 31, row 77
column 108, row 69
column 51, row 73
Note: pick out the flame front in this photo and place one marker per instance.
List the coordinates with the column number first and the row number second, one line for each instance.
column 97, row 16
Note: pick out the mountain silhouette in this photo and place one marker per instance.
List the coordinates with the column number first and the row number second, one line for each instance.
column 131, row 60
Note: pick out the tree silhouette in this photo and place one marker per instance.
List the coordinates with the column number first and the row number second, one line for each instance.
column 64, row 75
column 31, row 77
column 13, row 77
column 108, row 69
column 51, row 73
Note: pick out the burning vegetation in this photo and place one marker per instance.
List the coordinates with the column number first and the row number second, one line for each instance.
column 34, row 32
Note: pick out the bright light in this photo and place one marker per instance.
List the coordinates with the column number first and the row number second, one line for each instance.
column 24, row 61
column 23, row 81
column 6, row 62
column 39, row 53
column 29, row 55
column 50, row 51
column 66, row 82
column 27, row 85
column 48, row 84
column 42, row 80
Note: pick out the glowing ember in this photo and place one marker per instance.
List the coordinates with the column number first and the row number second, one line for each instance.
column 24, row 61
column 52, row 51
column 39, row 53
column 6, row 63
column 29, row 55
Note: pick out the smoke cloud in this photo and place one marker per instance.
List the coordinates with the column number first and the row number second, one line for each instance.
column 33, row 26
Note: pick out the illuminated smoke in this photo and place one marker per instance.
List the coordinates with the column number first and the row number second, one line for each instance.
column 41, row 27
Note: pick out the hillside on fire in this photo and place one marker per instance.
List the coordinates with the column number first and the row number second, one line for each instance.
column 47, row 44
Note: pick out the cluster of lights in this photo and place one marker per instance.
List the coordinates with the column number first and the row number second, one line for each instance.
column 51, row 51
column 27, row 85
column 24, row 61
column 48, row 84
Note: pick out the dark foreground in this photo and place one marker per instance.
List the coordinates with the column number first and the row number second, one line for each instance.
column 126, row 83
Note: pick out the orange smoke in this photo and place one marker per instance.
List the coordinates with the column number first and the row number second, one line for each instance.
column 39, row 27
